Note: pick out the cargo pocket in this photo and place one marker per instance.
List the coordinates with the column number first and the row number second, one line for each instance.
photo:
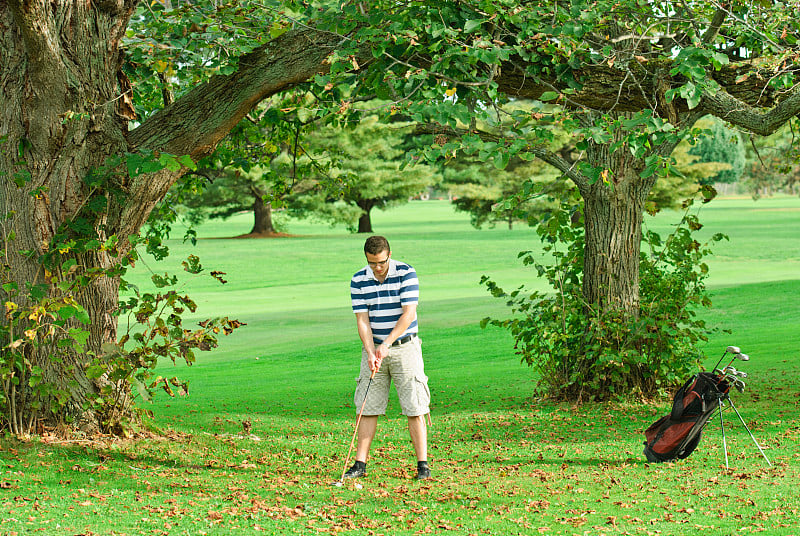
column 422, row 393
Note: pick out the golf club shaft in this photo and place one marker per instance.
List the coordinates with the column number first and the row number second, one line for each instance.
column 720, row 359
column 358, row 421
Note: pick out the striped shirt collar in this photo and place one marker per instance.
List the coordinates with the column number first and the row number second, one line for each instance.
column 391, row 272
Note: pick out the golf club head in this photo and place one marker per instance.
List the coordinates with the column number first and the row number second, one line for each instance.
column 729, row 370
column 739, row 385
column 743, row 357
column 741, row 374
column 733, row 350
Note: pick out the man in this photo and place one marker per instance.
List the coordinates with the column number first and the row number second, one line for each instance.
column 384, row 296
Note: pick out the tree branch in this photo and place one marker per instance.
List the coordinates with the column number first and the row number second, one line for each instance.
column 208, row 112
column 547, row 156
column 196, row 122
column 742, row 115
column 712, row 31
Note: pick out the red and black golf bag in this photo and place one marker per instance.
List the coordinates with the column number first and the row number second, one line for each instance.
column 677, row 434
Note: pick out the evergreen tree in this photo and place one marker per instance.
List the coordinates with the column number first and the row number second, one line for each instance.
column 724, row 145
column 366, row 160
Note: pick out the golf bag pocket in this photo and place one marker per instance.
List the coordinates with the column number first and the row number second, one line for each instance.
column 668, row 439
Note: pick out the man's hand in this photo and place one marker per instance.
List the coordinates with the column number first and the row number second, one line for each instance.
column 375, row 360
column 382, row 351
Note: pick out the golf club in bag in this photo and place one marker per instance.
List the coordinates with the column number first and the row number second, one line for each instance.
column 677, row 434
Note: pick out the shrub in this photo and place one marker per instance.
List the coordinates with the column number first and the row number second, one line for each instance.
column 584, row 352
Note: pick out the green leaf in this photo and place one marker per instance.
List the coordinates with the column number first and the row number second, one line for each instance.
column 169, row 161
column 141, row 388
column 67, row 312
column 501, row 159
column 304, row 114
column 95, row 371
column 548, row 96
column 80, row 336
column 82, row 316
column 472, row 25
column 186, row 161
column 69, row 263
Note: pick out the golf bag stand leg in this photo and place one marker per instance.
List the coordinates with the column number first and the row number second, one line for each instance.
column 722, row 424
column 749, row 432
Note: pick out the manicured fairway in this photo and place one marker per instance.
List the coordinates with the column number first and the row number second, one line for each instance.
column 504, row 461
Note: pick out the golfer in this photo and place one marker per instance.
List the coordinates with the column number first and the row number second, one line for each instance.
column 384, row 295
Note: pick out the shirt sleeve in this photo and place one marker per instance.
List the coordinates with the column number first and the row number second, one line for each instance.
column 409, row 287
column 356, row 298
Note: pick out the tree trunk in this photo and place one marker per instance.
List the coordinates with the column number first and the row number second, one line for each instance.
column 65, row 108
column 262, row 215
column 613, row 225
column 613, row 214
column 364, row 220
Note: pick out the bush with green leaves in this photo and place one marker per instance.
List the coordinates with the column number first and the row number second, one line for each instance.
column 584, row 353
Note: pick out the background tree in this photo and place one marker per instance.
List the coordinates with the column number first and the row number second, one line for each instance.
column 257, row 166
column 683, row 179
column 773, row 165
column 724, row 145
column 368, row 158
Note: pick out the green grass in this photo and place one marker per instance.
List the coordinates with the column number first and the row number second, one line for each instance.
column 504, row 462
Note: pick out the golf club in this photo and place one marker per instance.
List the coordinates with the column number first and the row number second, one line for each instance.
column 739, row 385
column 740, row 356
column 355, row 432
column 733, row 372
column 728, row 350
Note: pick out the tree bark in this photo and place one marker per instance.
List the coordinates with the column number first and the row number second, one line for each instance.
column 613, row 225
column 613, row 215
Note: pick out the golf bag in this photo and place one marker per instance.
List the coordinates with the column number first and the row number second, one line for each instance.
column 677, row 434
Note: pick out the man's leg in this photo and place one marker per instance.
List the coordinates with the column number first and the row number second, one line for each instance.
column 366, row 432
column 419, row 436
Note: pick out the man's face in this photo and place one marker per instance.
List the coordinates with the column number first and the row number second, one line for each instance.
column 379, row 262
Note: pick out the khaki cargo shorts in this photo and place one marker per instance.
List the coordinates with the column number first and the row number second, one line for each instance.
column 404, row 366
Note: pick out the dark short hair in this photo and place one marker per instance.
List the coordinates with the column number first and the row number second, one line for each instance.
column 376, row 244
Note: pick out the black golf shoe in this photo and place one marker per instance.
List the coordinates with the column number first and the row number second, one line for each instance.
column 423, row 471
column 358, row 470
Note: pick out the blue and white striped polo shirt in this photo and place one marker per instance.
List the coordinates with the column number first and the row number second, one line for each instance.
column 384, row 301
